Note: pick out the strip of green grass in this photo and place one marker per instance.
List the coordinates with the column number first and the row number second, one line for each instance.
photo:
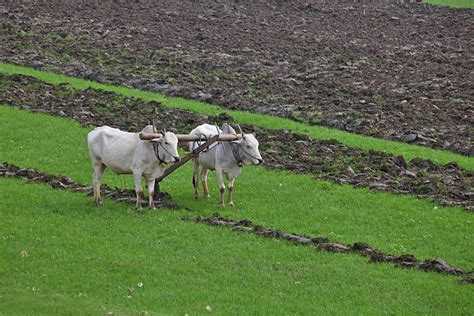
column 61, row 255
column 395, row 224
column 453, row 3
column 317, row 132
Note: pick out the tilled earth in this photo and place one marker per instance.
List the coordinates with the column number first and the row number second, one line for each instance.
column 281, row 149
column 393, row 69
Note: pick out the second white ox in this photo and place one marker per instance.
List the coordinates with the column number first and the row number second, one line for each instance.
column 224, row 157
column 126, row 153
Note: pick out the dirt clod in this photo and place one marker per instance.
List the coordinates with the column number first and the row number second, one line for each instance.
column 324, row 244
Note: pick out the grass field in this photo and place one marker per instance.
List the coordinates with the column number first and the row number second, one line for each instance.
column 284, row 201
column 453, row 3
column 317, row 132
column 62, row 255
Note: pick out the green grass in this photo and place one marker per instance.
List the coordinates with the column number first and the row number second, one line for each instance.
column 453, row 3
column 317, row 132
column 391, row 223
column 61, row 255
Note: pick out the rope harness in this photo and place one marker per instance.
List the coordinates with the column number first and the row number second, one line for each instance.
column 157, row 153
column 235, row 148
column 198, row 143
column 156, row 147
column 235, row 151
column 236, row 154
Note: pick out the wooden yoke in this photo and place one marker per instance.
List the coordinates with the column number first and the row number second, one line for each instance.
column 208, row 141
column 191, row 138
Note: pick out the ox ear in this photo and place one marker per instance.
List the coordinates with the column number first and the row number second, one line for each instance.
column 227, row 129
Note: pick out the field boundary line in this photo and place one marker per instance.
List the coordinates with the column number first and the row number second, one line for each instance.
column 406, row 261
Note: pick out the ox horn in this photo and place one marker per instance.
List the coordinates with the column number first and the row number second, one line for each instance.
column 240, row 130
column 156, row 139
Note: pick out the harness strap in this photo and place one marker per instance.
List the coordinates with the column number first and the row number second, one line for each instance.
column 200, row 142
column 236, row 154
column 166, row 150
column 157, row 153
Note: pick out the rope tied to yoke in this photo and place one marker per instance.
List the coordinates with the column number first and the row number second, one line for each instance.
column 157, row 145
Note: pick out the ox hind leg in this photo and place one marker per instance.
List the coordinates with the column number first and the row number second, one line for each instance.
column 230, row 188
column 150, row 183
column 99, row 169
column 220, row 181
column 196, row 177
column 204, row 174
column 137, row 177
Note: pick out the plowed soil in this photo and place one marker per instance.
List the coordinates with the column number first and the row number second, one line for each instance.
column 281, row 149
column 393, row 69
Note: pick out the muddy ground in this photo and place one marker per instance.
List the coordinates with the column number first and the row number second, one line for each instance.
column 281, row 149
column 393, row 69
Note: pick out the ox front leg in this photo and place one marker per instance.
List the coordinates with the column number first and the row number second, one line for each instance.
column 138, row 189
column 151, row 188
column 196, row 178
column 220, row 180
column 230, row 188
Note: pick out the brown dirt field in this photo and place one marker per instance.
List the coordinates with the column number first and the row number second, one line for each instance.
column 392, row 69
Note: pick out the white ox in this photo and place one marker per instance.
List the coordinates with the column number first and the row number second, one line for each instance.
column 226, row 158
column 126, row 153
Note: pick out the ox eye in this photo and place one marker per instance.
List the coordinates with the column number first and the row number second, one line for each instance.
column 166, row 143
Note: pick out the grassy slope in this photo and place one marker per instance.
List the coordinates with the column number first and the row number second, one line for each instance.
column 285, row 201
column 82, row 259
column 318, row 132
column 453, row 3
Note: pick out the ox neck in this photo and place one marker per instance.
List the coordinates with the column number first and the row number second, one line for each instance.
column 156, row 148
column 236, row 154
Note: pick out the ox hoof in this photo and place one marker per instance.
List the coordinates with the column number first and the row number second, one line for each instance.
column 99, row 203
column 221, row 204
column 207, row 196
column 196, row 196
column 231, row 203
